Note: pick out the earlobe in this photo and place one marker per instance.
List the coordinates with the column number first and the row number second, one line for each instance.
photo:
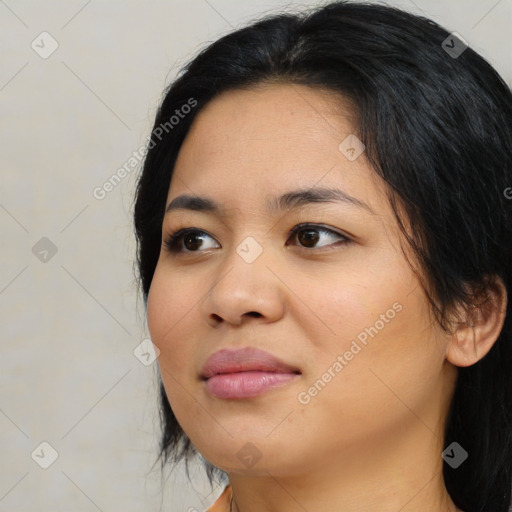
column 476, row 334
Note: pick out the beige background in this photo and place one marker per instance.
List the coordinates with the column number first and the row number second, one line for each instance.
column 70, row 324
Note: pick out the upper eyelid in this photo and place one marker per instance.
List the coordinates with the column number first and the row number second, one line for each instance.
column 319, row 227
column 302, row 225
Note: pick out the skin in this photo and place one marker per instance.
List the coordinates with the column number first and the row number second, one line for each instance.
column 372, row 438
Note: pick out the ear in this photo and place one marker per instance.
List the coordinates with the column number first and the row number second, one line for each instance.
column 477, row 329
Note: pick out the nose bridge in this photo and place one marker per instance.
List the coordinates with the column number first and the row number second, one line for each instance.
column 244, row 284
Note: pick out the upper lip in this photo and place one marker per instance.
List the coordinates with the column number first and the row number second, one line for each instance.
column 244, row 360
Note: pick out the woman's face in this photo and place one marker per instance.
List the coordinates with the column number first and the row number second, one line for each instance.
column 336, row 300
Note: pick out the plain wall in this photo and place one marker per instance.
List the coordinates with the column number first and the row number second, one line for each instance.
column 71, row 320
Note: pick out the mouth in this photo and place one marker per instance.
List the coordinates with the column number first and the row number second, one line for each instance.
column 246, row 384
column 245, row 373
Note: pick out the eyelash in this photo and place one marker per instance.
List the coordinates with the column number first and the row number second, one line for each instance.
column 171, row 243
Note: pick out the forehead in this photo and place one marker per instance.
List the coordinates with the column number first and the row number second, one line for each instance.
column 275, row 115
column 270, row 139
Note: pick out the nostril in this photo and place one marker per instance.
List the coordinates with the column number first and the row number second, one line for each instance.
column 254, row 313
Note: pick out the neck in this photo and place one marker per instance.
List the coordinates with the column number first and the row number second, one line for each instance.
column 432, row 496
column 382, row 479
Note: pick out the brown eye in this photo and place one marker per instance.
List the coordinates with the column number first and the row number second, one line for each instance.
column 186, row 240
column 192, row 241
column 309, row 235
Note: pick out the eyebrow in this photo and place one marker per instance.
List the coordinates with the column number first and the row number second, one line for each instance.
column 288, row 201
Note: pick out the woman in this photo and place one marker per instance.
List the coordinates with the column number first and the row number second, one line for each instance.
column 324, row 239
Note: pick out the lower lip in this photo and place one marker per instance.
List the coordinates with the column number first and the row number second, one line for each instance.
column 246, row 384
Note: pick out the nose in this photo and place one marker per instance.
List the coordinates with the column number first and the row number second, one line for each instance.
column 244, row 292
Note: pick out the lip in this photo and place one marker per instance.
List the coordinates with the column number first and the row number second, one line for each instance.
column 246, row 372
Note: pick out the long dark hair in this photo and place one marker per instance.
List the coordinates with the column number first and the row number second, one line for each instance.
column 436, row 120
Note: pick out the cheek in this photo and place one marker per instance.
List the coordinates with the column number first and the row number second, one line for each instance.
column 356, row 305
column 351, row 295
column 158, row 307
column 168, row 320
column 376, row 322
column 169, row 310
column 393, row 357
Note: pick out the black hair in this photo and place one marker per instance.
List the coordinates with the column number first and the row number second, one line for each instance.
column 437, row 126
